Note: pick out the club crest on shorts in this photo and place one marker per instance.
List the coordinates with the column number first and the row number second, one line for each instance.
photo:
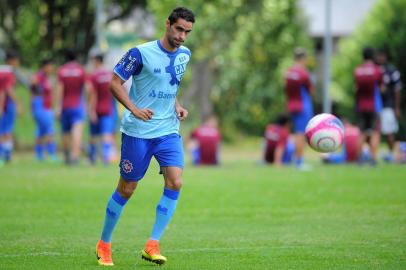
column 127, row 166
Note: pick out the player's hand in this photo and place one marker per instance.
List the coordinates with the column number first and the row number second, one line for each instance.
column 143, row 114
column 181, row 112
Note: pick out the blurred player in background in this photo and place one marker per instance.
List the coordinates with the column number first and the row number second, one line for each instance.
column 101, row 111
column 400, row 152
column 41, row 108
column 391, row 92
column 350, row 149
column 150, row 127
column 70, row 106
column 368, row 83
column 278, row 149
column 299, row 89
column 205, row 143
column 10, row 105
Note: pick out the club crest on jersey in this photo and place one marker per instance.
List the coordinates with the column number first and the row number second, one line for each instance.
column 177, row 67
column 127, row 166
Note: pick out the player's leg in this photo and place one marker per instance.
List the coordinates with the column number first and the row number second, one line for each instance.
column 10, row 118
column 49, row 137
column 94, row 132
column 66, row 126
column 135, row 159
column 169, row 153
column 36, row 107
column 299, row 124
column 1, row 142
column 78, row 117
column 106, row 130
column 375, row 137
column 164, row 213
column 76, row 134
column 114, row 209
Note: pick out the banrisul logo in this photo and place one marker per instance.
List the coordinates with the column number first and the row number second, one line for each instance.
column 177, row 67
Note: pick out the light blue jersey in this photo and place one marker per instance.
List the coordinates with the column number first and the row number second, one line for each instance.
column 156, row 74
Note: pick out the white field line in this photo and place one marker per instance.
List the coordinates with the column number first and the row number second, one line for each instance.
column 185, row 250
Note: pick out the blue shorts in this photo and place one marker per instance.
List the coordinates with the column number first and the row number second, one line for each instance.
column 8, row 118
column 300, row 119
column 104, row 125
column 44, row 118
column 136, row 154
column 69, row 117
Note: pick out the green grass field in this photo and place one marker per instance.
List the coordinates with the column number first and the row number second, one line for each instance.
column 238, row 216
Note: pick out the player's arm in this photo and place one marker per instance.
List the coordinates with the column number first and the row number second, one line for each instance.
column 58, row 98
column 398, row 88
column 181, row 112
column 91, row 102
column 11, row 93
column 120, row 93
column 2, row 101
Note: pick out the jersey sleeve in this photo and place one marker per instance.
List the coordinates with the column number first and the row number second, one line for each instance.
column 129, row 65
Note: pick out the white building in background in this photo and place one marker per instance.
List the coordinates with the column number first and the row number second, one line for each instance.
column 346, row 15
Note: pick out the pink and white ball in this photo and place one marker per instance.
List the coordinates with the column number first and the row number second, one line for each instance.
column 324, row 133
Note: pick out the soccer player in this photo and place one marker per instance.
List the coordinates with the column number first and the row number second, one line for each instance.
column 391, row 112
column 368, row 82
column 71, row 109
column 277, row 149
column 350, row 150
column 205, row 141
column 10, row 107
column 150, row 127
column 41, row 107
column 299, row 89
column 101, row 111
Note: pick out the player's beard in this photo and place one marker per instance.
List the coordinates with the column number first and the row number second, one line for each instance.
column 173, row 43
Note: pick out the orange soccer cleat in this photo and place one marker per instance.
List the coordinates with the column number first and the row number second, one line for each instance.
column 152, row 253
column 103, row 253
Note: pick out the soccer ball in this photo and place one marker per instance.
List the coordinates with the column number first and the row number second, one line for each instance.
column 324, row 133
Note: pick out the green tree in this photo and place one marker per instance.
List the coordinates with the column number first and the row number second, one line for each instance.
column 246, row 45
column 382, row 28
column 40, row 28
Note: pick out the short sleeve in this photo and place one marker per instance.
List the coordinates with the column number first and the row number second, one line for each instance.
column 130, row 64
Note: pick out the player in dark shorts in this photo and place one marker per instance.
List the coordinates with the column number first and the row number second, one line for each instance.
column 391, row 110
column 368, row 83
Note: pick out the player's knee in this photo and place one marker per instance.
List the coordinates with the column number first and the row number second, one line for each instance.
column 175, row 184
column 126, row 191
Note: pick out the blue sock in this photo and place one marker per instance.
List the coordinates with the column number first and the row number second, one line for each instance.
column 39, row 151
column 51, row 148
column 113, row 212
column 299, row 161
column 92, row 152
column 164, row 212
column 1, row 152
column 106, row 151
column 8, row 150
